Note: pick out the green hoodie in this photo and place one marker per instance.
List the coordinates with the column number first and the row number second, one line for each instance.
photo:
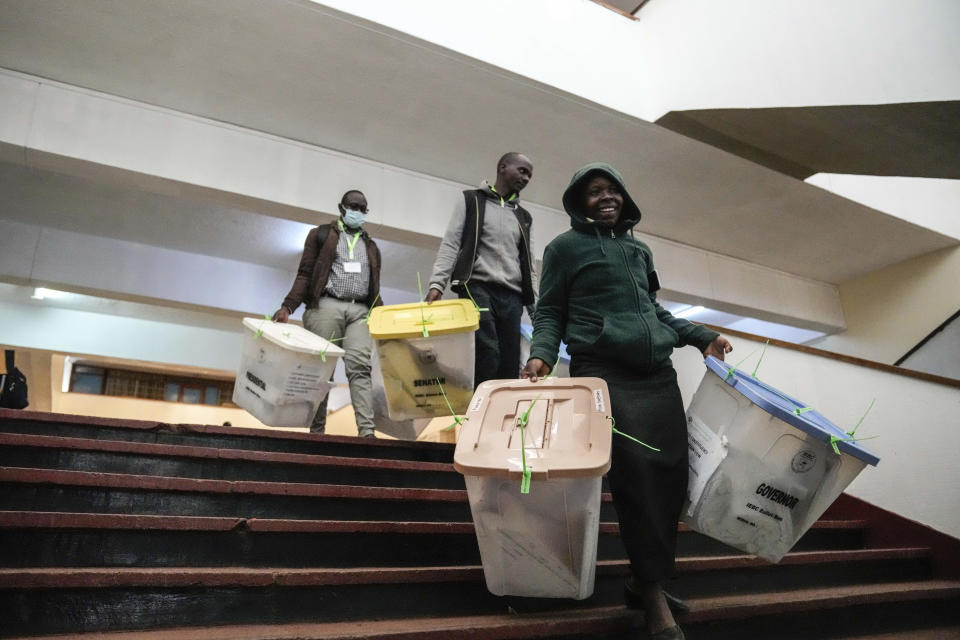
column 595, row 291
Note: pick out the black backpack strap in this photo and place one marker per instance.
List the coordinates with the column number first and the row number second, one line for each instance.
column 8, row 353
column 475, row 201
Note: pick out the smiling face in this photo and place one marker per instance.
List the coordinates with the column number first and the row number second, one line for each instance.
column 602, row 200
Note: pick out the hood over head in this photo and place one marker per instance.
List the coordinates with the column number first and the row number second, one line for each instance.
column 572, row 199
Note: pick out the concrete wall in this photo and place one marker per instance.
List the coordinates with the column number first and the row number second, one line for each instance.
column 54, row 127
column 71, row 331
column 940, row 355
column 928, row 202
column 891, row 310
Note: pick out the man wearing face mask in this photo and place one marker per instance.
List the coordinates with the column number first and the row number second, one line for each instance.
column 339, row 280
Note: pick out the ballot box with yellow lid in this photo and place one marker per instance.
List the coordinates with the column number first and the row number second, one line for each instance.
column 425, row 351
column 537, row 538
column 284, row 372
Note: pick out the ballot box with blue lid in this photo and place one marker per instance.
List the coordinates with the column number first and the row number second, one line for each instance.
column 763, row 467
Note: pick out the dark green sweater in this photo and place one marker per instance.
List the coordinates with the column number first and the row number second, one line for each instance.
column 595, row 292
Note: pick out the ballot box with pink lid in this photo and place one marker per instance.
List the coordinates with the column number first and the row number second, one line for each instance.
column 533, row 456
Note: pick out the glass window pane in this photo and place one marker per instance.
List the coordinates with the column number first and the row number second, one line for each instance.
column 211, row 396
column 88, row 383
column 192, row 395
column 171, row 392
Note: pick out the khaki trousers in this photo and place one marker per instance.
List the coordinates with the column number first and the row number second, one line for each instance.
column 334, row 319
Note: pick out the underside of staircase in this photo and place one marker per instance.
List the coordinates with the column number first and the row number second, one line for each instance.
column 121, row 529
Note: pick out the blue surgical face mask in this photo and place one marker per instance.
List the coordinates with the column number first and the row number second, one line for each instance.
column 353, row 218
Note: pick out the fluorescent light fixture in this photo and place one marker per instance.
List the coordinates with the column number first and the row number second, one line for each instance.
column 689, row 311
column 40, row 293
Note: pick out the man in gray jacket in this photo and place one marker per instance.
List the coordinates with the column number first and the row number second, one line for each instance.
column 486, row 255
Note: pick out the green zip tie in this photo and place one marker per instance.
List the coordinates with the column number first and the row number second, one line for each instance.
column 762, row 353
column 475, row 305
column 802, row 410
column 375, row 298
column 857, row 426
column 834, row 440
column 525, row 480
column 734, row 367
column 266, row 318
column 526, row 414
column 323, row 353
column 522, row 421
column 456, row 420
column 613, row 425
column 423, row 320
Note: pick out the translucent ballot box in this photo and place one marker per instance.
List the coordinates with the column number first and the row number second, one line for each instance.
column 283, row 372
column 542, row 543
column 762, row 468
column 399, row 429
column 415, row 363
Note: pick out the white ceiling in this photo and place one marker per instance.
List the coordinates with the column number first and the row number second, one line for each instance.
column 296, row 69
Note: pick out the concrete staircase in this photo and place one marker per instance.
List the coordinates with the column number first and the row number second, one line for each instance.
column 151, row 531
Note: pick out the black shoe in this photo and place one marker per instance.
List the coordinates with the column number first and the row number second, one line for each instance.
column 634, row 601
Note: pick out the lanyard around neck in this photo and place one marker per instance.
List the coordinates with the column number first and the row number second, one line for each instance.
column 350, row 243
column 502, row 201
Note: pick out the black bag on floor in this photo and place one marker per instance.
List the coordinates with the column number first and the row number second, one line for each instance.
column 13, row 386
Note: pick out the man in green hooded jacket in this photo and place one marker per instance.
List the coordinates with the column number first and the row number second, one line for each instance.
column 598, row 294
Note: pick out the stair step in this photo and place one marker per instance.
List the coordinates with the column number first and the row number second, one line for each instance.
column 159, row 597
column 832, row 613
column 174, row 460
column 39, row 539
column 99, row 577
column 51, row 490
column 24, row 489
column 939, row 633
column 73, row 426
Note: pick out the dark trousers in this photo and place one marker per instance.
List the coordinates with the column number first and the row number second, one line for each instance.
column 498, row 338
column 648, row 487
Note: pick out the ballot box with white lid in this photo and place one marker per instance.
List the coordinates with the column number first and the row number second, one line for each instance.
column 284, row 372
column 763, row 467
column 425, row 356
column 542, row 543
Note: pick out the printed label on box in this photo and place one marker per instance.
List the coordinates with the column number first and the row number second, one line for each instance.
column 706, row 452
column 598, row 400
column 301, row 383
